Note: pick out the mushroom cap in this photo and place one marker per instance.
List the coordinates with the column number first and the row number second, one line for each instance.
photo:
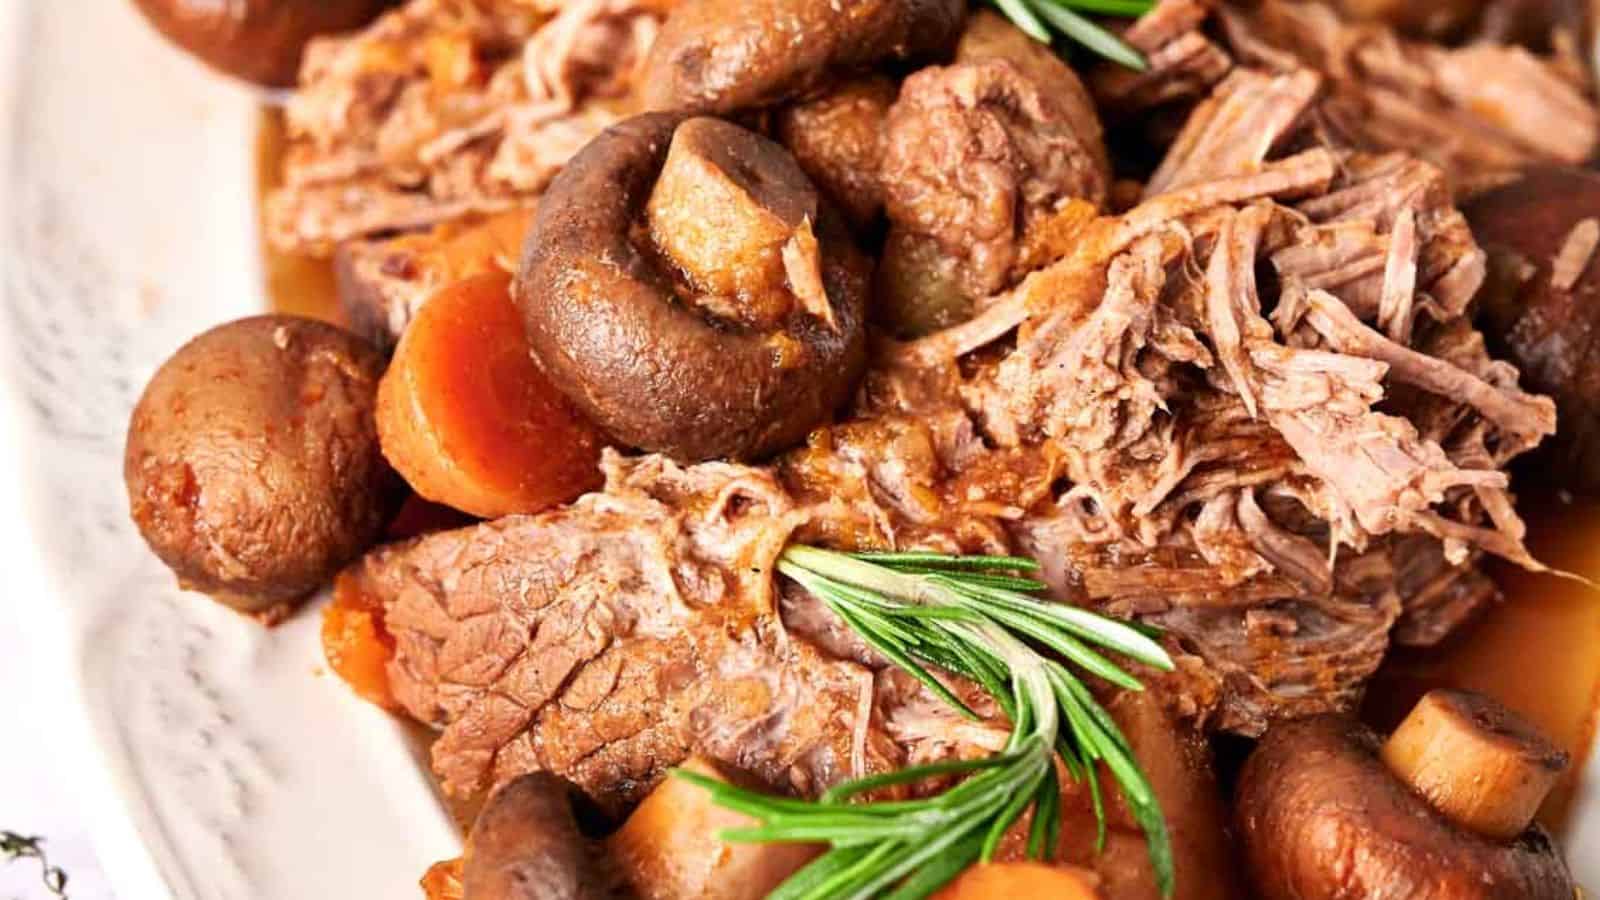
column 260, row 41
column 525, row 845
column 1321, row 817
column 720, row 56
column 606, row 323
column 1545, row 322
column 252, row 463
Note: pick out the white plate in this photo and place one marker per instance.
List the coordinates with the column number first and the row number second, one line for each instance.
column 222, row 762
column 226, row 764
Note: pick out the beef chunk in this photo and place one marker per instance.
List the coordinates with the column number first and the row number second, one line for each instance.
column 441, row 109
column 1476, row 111
column 838, row 140
column 980, row 151
column 608, row 641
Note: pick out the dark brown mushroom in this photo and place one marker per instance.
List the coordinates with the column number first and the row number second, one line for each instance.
column 1323, row 816
column 1541, row 304
column 526, row 845
column 688, row 289
column 258, row 40
column 719, row 56
column 252, row 464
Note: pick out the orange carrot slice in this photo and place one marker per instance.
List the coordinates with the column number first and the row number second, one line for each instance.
column 355, row 642
column 1013, row 881
column 467, row 417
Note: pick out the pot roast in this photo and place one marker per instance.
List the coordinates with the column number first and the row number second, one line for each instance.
column 1249, row 406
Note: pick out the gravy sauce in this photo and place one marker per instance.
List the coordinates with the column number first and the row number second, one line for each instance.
column 1538, row 652
column 296, row 284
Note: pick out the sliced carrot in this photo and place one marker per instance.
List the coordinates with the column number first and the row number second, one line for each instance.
column 1014, row 881
column 470, row 421
column 356, row 643
column 443, row 881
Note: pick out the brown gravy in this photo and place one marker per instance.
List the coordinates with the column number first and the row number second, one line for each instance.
column 296, row 284
column 1538, row 652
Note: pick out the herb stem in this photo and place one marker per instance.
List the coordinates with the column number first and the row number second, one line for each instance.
column 972, row 617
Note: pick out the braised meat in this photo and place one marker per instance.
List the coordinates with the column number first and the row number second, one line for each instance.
column 444, row 108
column 838, row 139
column 1184, row 63
column 1215, row 415
column 1476, row 111
column 976, row 154
column 609, row 640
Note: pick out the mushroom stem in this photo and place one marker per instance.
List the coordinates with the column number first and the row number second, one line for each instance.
column 1476, row 762
column 726, row 210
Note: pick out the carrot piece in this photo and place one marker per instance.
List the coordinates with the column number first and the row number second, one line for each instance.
column 356, row 643
column 1005, row 881
column 467, row 417
column 442, row 881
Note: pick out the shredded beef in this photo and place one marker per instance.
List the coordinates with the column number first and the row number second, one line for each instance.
column 444, row 108
column 1183, row 62
column 1477, row 111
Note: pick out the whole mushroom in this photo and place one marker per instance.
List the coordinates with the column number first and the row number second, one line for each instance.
column 252, row 464
column 526, row 845
column 260, row 41
column 1442, row 811
column 720, row 56
column 687, row 287
column 1541, row 304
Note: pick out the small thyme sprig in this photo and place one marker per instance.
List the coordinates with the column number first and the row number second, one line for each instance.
column 14, row 847
column 1043, row 19
column 973, row 616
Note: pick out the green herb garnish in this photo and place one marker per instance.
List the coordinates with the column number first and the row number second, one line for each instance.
column 973, row 616
column 14, row 847
column 1044, row 19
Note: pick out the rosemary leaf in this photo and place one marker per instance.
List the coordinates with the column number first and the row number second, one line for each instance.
column 1094, row 38
column 1129, row 8
column 971, row 616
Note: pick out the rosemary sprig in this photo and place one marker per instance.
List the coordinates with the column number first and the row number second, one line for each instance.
column 1043, row 19
column 15, row 847
column 971, row 616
